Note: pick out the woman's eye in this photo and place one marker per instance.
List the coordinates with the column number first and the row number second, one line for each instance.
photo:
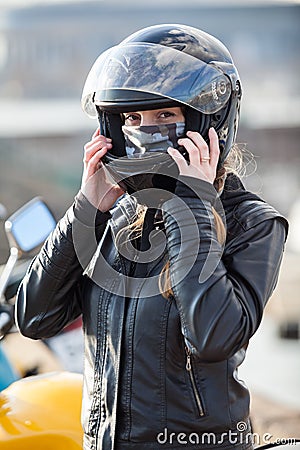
column 132, row 117
column 167, row 114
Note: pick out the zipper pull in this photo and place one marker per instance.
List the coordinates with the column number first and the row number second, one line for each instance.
column 188, row 360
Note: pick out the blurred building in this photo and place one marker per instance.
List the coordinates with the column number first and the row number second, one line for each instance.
column 46, row 51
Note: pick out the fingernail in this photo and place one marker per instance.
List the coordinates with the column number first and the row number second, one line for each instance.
column 174, row 152
column 171, row 150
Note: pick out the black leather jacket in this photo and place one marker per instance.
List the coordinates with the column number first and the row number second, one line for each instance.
column 160, row 373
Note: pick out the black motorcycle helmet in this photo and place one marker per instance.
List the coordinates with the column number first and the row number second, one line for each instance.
column 158, row 67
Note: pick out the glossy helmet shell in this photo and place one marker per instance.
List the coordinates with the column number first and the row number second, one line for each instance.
column 162, row 66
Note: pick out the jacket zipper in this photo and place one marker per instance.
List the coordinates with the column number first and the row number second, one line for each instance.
column 193, row 383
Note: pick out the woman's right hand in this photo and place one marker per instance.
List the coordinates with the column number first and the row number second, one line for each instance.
column 97, row 185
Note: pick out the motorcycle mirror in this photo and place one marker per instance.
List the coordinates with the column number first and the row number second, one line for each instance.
column 6, row 319
column 30, row 225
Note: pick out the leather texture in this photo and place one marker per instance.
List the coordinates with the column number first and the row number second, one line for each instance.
column 136, row 382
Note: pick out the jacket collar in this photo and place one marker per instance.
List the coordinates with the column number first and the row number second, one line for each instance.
column 234, row 192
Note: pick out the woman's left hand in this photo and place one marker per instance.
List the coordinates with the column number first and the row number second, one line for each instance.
column 203, row 158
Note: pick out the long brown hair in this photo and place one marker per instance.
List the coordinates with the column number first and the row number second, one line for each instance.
column 165, row 279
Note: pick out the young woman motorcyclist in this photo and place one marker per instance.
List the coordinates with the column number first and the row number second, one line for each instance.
column 172, row 277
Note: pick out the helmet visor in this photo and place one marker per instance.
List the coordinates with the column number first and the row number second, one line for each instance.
column 158, row 70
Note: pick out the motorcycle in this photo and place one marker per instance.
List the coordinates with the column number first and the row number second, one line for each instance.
column 8, row 372
column 62, row 352
column 11, row 275
column 41, row 411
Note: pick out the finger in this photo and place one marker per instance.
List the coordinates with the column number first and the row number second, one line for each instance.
column 214, row 147
column 201, row 144
column 93, row 146
column 192, row 149
column 96, row 132
column 93, row 164
column 99, row 138
column 95, row 139
column 98, row 154
column 178, row 158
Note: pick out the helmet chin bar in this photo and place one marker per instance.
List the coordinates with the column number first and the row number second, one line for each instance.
column 153, row 170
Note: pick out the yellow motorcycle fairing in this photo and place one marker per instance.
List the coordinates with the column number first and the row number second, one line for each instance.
column 42, row 413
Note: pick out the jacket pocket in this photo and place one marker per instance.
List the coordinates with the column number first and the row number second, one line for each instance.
column 195, row 390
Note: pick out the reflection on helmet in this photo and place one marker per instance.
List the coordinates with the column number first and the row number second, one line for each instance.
column 163, row 66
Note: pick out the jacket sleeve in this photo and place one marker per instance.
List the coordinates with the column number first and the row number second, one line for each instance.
column 220, row 292
column 49, row 296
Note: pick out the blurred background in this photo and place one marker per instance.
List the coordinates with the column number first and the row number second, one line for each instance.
column 46, row 51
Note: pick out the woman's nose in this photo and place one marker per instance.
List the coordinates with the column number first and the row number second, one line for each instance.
column 147, row 119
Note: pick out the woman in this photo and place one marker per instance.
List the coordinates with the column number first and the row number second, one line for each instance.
column 172, row 277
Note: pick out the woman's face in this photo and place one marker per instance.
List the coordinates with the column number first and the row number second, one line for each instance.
column 154, row 117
